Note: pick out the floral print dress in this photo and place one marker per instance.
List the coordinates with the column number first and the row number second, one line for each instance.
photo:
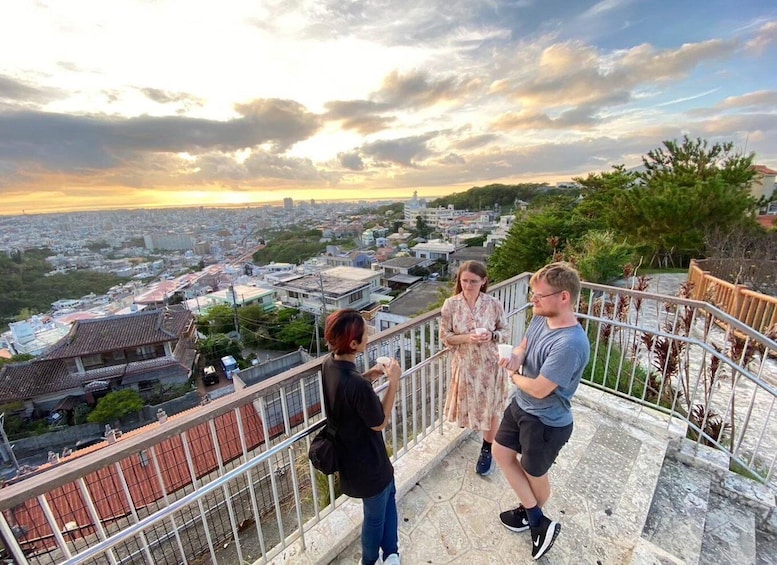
column 478, row 386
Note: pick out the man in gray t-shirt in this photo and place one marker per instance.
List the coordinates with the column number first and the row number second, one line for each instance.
column 546, row 369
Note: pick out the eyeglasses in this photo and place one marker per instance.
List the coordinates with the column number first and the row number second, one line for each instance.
column 537, row 296
column 471, row 281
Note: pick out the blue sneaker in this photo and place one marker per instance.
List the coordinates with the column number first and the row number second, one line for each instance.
column 485, row 464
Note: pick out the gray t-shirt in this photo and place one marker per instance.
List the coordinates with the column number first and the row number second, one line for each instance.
column 559, row 355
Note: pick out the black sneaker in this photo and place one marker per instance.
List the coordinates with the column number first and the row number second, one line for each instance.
column 543, row 536
column 485, row 462
column 516, row 519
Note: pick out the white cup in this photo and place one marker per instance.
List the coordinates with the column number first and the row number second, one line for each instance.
column 481, row 331
column 383, row 362
column 505, row 350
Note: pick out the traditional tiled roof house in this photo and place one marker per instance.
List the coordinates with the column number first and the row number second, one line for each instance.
column 137, row 350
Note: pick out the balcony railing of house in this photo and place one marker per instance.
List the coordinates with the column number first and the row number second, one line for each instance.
column 755, row 309
column 235, row 471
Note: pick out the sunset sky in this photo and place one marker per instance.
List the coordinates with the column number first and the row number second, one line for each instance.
column 129, row 103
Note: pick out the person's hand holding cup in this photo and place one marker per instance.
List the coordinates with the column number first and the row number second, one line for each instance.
column 391, row 368
column 505, row 354
column 482, row 334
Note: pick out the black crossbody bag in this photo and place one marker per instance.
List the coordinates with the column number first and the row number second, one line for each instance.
column 323, row 448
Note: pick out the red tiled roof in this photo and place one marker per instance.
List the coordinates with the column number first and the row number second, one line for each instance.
column 767, row 221
column 764, row 170
column 88, row 337
column 22, row 381
column 177, row 322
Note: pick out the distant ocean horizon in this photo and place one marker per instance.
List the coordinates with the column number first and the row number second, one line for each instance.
column 257, row 204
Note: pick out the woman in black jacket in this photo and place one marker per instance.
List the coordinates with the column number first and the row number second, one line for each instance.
column 366, row 471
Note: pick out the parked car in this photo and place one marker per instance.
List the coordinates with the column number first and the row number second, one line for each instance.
column 210, row 376
column 230, row 366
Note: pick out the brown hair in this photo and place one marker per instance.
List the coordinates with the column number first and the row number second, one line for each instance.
column 343, row 327
column 560, row 276
column 474, row 267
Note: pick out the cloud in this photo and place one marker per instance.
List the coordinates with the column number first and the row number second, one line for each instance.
column 729, row 126
column 766, row 36
column 284, row 122
column 476, row 141
column 364, row 116
column 60, row 142
column 413, row 90
column 165, row 97
column 581, row 117
column 405, row 151
column 417, row 89
column 12, row 90
column 571, row 83
column 351, row 161
column 453, row 159
column 766, row 99
column 400, row 22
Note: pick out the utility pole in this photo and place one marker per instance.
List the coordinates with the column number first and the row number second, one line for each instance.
column 321, row 315
column 7, row 444
column 234, row 307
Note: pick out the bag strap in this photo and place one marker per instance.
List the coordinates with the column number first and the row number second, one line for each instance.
column 331, row 425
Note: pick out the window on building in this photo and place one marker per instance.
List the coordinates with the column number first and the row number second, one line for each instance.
column 91, row 361
column 355, row 297
column 145, row 386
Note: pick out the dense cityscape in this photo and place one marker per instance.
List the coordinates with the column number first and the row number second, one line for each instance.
column 321, row 282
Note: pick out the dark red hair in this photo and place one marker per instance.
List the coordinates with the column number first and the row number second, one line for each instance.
column 343, row 327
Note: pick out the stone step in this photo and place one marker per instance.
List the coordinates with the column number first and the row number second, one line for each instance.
column 729, row 532
column 674, row 528
column 765, row 548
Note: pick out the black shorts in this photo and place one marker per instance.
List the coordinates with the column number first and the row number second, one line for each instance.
column 537, row 443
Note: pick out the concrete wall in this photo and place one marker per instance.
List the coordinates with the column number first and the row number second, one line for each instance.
column 272, row 367
column 53, row 441
column 174, row 406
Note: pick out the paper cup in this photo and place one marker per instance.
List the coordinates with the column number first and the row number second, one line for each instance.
column 505, row 350
column 383, row 361
column 481, row 331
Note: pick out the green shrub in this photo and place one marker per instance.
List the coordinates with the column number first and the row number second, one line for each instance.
column 116, row 405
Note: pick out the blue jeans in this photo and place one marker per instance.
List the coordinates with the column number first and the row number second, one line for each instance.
column 379, row 529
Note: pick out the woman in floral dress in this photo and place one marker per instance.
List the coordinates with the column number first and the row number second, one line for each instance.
column 472, row 324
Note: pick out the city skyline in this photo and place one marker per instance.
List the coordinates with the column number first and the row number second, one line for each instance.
column 135, row 104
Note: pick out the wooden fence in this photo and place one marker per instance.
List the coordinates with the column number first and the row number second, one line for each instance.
column 759, row 311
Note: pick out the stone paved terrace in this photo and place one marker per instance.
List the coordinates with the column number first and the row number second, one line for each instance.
column 621, row 492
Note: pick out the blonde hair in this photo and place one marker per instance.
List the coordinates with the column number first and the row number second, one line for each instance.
column 560, row 276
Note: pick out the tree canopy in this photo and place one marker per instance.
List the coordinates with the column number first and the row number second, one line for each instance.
column 219, row 319
column 216, row 346
column 687, row 188
column 502, row 196
column 535, row 238
column 663, row 213
column 23, row 284
column 115, row 405
column 291, row 246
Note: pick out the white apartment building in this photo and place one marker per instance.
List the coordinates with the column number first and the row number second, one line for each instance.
column 500, row 232
column 170, row 241
column 434, row 217
column 434, row 249
column 340, row 287
column 35, row 335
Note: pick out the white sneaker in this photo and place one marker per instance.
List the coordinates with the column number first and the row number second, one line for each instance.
column 392, row 559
